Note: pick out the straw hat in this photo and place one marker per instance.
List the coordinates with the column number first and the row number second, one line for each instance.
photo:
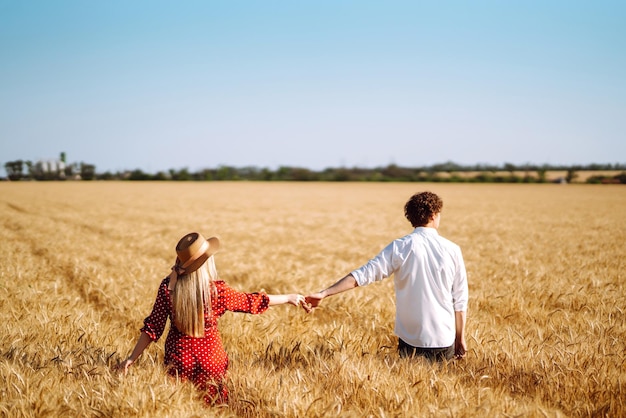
column 192, row 251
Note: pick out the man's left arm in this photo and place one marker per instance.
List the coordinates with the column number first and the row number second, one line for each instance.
column 460, row 296
column 460, row 346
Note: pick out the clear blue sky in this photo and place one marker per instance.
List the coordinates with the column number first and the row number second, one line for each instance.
column 156, row 85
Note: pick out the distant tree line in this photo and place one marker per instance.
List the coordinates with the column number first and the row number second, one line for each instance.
column 445, row 172
column 442, row 172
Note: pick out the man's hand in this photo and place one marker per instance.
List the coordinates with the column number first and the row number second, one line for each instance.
column 460, row 348
column 298, row 300
column 313, row 300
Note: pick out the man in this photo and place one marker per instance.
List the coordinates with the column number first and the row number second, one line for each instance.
column 430, row 283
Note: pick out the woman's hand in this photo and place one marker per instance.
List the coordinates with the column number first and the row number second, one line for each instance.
column 299, row 300
column 295, row 299
column 123, row 366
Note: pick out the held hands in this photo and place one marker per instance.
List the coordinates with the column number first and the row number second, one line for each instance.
column 295, row 299
column 346, row 283
column 313, row 300
column 307, row 303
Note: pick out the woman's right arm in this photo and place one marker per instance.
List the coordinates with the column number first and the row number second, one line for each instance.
column 293, row 298
column 143, row 341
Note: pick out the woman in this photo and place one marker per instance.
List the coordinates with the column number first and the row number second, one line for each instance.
column 194, row 297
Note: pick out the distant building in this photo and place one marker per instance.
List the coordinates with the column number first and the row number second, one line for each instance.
column 49, row 170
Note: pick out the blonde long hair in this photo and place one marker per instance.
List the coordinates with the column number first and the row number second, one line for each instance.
column 191, row 299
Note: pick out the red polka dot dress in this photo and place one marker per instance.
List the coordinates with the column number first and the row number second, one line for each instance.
column 201, row 360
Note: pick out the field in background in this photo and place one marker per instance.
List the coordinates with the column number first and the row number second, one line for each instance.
column 81, row 263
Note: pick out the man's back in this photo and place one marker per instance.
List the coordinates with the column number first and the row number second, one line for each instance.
column 430, row 283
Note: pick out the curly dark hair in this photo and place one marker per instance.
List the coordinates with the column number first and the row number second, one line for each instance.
column 421, row 206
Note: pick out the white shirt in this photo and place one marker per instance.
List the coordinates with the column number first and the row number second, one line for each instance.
column 430, row 282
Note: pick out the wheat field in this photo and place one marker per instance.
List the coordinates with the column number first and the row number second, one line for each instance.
column 81, row 263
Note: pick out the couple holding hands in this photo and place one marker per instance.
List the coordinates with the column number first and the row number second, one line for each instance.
column 431, row 300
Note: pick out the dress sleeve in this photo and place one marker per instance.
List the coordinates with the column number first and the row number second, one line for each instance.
column 154, row 324
column 230, row 299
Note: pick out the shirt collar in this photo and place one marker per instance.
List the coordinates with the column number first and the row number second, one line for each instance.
column 426, row 230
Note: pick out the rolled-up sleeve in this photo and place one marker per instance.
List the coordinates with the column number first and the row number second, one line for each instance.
column 460, row 292
column 154, row 324
column 378, row 268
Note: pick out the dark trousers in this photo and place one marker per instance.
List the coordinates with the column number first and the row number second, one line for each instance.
column 431, row 354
